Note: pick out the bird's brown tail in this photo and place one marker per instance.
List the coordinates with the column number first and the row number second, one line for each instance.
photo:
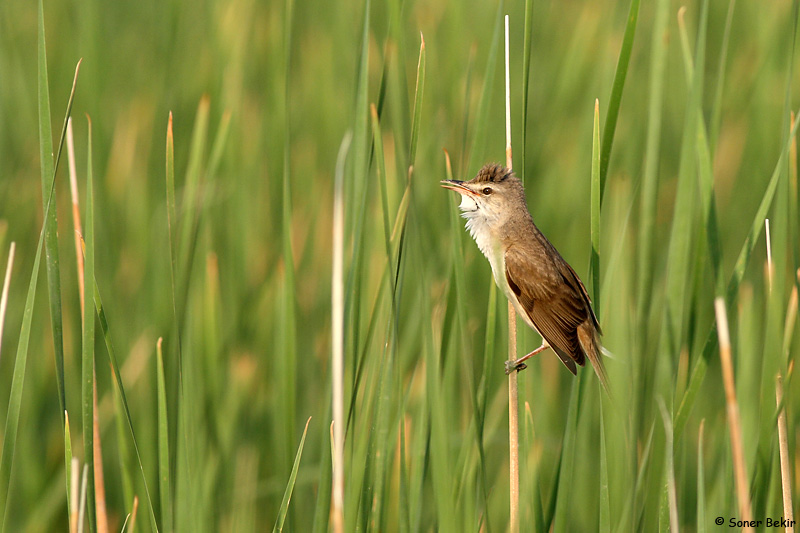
column 587, row 336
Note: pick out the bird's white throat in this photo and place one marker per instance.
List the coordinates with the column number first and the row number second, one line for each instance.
column 480, row 222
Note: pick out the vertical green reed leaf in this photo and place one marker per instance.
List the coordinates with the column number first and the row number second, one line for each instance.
column 647, row 211
column 716, row 107
column 669, row 504
column 358, row 187
column 526, row 73
column 615, row 99
column 190, row 201
column 404, row 525
column 701, row 484
column 380, row 166
column 595, row 210
column 324, row 479
column 50, row 221
column 17, row 381
column 87, row 352
column 605, row 503
column 699, row 370
column 20, row 362
column 563, row 503
column 287, row 495
column 381, row 446
column 489, row 348
column 123, row 452
column 101, row 316
column 480, row 128
column 477, row 396
column 678, row 253
column 163, row 443
column 704, row 170
column 219, row 144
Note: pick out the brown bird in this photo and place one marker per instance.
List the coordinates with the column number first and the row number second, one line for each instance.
column 544, row 289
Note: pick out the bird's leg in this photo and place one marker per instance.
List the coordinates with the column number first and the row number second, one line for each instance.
column 519, row 364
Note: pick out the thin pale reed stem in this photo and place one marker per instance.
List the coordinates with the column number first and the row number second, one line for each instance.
column 513, row 395
column 337, row 304
column 770, row 266
column 734, row 425
column 82, row 504
column 76, row 213
column 134, row 511
column 6, row 285
column 74, row 488
column 783, row 446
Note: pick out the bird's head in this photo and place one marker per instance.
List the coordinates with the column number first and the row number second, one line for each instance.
column 490, row 197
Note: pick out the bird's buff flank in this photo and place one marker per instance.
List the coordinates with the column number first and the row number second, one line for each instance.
column 543, row 288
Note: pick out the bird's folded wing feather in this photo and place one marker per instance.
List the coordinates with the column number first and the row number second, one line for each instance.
column 552, row 300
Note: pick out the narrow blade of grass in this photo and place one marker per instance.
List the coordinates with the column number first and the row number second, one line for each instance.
column 101, row 316
column 680, row 240
column 563, row 501
column 163, row 443
column 605, row 499
column 287, row 495
column 50, row 220
column 355, row 194
column 716, row 107
column 87, row 351
column 18, row 376
column 701, row 483
column 379, row 452
column 649, row 197
column 123, row 452
column 172, row 216
column 480, row 127
column 704, row 163
column 595, row 210
column 526, row 73
column 615, row 99
column 699, row 370
column 670, row 506
column 17, row 382
column 190, row 200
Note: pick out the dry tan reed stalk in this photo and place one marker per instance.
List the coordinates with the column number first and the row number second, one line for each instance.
column 513, row 394
column 134, row 511
column 6, row 285
column 337, row 332
column 783, row 446
column 74, row 492
column 76, row 213
column 734, row 425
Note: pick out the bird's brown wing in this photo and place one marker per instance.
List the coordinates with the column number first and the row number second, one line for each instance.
column 553, row 298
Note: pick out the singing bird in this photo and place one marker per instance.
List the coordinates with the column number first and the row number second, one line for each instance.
column 545, row 291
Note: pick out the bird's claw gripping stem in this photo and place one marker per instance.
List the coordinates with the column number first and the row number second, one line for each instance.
column 515, row 365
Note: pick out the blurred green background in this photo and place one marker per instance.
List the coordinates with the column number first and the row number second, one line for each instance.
column 427, row 441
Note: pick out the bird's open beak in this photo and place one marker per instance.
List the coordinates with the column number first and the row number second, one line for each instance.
column 455, row 185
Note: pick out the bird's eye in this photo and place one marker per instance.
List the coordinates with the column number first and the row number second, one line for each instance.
column 487, row 191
